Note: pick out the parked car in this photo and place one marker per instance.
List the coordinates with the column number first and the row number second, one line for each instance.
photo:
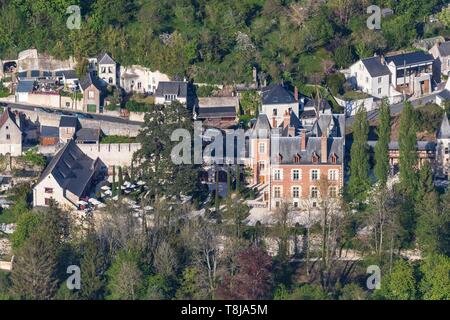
column 3, row 104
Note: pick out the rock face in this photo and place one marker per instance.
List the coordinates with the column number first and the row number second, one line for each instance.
column 31, row 60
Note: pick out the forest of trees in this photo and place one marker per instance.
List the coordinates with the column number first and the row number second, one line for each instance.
column 219, row 41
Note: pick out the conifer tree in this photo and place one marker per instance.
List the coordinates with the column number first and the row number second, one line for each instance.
column 382, row 147
column 407, row 147
column 359, row 163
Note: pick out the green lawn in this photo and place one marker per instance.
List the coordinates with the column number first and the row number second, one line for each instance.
column 118, row 139
column 311, row 63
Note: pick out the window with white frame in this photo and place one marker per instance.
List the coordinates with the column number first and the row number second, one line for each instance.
column 379, row 79
column 314, row 174
column 91, row 94
column 296, row 174
column 262, row 147
column 314, row 192
column 332, row 192
column 277, row 192
column 295, row 192
column 333, row 175
column 277, row 174
column 295, row 204
column 379, row 90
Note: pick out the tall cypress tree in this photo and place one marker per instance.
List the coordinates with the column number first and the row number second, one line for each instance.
column 407, row 147
column 113, row 187
column 238, row 178
column 425, row 182
column 359, row 164
column 382, row 147
column 119, row 187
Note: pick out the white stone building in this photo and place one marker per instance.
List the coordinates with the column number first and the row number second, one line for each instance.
column 10, row 134
column 70, row 176
column 371, row 76
column 276, row 101
column 140, row 79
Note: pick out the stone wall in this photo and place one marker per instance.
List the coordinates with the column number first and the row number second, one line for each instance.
column 114, row 154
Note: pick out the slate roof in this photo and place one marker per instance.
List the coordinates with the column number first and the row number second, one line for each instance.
column 276, row 94
column 216, row 112
column 7, row 114
column 48, row 131
column 375, row 67
column 326, row 121
column 444, row 49
column 89, row 80
column 409, row 58
column 68, row 121
column 262, row 126
column 25, row 86
column 72, row 169
column 421, row 145
column 69, row 74
column 444, row 129
column 88, row 134
column 289, row 147
column 178, row 88
column 105, row 58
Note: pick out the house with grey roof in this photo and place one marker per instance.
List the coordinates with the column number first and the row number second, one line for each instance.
column 24, row 89
column 276, row 100
column 11, row 133
column 68, row 126
column 69, row 177
column 412, row 72
column 371, row 76
column 217, row 111
column 290, row 161
column 88, row 136
column 441, row 52
column 107, row 69
column 409, row 73
column 169, row 91
column 93, row 94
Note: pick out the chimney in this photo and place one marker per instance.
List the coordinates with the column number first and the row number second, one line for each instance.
column 324, row 148
column 383, row 62
column 255, row 76
column 286, row 119
column 274, row 122
column 303, row 139
column 296, row 94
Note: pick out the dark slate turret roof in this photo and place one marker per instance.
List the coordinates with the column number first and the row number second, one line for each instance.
column 276, row 94
column 262, row 127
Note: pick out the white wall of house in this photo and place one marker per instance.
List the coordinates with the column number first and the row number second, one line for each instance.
column 162, row 100
column 10, row 139
column 145, row 80
column 281, row 109
column 108, row 73
column 362, row 80
column 40, row 194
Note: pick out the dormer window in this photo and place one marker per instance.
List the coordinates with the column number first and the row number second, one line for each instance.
column 297, row 158
column 333, row 158
column 315, row 158
column 280, row 157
